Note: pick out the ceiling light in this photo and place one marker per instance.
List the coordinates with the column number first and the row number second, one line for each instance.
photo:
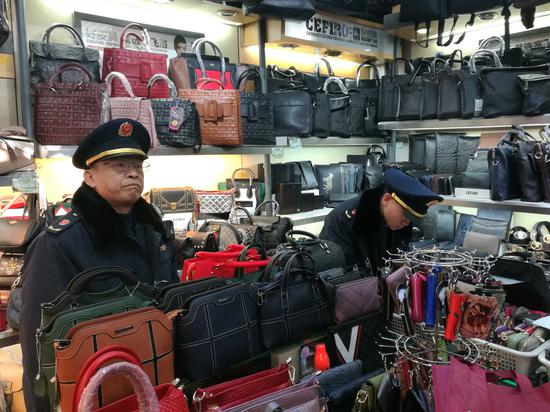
column 488, row 15
column 288, row 46
column 227, row 13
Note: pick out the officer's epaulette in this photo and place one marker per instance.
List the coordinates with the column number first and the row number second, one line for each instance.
column 63, row 222
column 350, row 213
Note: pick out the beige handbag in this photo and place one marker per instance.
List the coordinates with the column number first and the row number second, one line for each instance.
column 132, row 107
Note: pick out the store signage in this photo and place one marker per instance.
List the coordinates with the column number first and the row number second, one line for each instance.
column 324, row 29
column 528, row 42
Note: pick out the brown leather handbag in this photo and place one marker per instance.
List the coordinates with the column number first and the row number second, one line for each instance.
column 64, row 113
column 219, row 111
column 147, row 331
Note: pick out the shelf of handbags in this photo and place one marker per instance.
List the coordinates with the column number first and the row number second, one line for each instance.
column 514, row 205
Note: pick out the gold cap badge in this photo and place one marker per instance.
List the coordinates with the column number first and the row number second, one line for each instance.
column 125, row 129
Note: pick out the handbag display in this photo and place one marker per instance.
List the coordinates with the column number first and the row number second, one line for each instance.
column 138, row 66
column 410, row 93
column 234, row 393
column 256, row 112
column 355, row 299
column 448, row 91
column 389, row 91
column 292, row 306
column 226, row 234
column 219, row 111
column 364, row 95
column 325, row 253
column 502, row 172
column 274, row 226
column 430, row 92
column 501, row 91
column 147, row 331
column 332, row 111
column 132, row 107
column 166, row 397
column 279, row 79
column 316, row 81
column 214, row 201
column 293, row 112
column 250, row 232
column 172, row 200
column 176, row 119
column 173, row 296
column 295, row 9
column 16, row 149
column 232, row 313
column 65, row 113
column 535, row 88
column 46, row 58
column 190, row 242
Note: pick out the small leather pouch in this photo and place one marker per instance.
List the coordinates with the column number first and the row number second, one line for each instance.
column 355, row 299
column 478, row 313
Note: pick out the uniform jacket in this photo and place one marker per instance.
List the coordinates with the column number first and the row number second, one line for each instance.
column 92, row 235
column 358, row 227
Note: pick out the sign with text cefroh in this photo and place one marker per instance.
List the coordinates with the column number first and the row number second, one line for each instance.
column 330, row 30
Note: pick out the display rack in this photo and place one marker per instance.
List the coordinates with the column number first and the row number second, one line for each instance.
column 513, row 205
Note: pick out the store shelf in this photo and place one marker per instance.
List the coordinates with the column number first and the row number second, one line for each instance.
column 8, row 337
column 513, row 205
column 466, row 124
column 314, row 141
column 305, row 218
column 7, row 179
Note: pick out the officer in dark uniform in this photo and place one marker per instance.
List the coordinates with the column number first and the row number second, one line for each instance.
column 379, row 219
column 110, row 225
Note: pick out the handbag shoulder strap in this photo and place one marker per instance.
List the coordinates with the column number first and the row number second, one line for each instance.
column 143, row 40
column 485, row 53
column 123, row 79
column 370, row 65
column 156, row 78
column 74, row 33
column 247, row 74
column 86, row 76
column 244, row 169
column 258, row 210
column 317, row 69
column 201, row 63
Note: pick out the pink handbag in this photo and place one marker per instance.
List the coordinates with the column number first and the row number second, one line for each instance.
column 132, row 107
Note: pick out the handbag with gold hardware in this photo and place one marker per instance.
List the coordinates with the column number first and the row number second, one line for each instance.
column 172, row 200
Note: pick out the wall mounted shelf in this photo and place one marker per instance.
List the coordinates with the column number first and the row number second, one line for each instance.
column 513, row 205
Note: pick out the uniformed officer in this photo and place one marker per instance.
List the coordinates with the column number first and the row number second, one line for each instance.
column 110, row 225
column 379, row 219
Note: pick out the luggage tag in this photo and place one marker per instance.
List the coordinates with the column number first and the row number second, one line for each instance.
column 177, row 118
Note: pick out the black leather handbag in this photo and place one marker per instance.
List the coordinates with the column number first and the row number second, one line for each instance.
column 536, row 90
column 430, row 91
column 256, row 112
column 295, row 304
column 274, row 226
column 476, row 175
column 176, row 119
column 467, row 146
column 231, row 313
column 448, row 94
column 292, row 9
column 410, row 94
column 324, row 253
column 388, row 100
column 46, row 57
column 446, row 153
column 501, row 91
column 293, row 112
column 173, row 296
column 332, row 111
column 372, row 164
column 502, row 172
column 541, row 152
column 278, row 79
column 316, row 81
column 364, row 95
column 530, row 182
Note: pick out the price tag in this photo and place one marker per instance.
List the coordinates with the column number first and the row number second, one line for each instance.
column 478, row 106
column 25, row 184
column 294, row 143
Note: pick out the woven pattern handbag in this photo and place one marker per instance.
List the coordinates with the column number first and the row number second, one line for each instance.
column 256, row 113
column 176, row 119
column 132, row 107
column 219, row 111
column 214, row 201
column 138, row 66
column 64, row 113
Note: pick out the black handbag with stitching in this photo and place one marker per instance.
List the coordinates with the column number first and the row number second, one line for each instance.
column 389, row 91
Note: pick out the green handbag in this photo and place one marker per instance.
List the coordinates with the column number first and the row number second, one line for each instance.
column 76, row 305
column 366, row 400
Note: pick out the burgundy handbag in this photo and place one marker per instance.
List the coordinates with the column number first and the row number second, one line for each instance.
column 138, row 66
column 355, row 299
column 64, row 113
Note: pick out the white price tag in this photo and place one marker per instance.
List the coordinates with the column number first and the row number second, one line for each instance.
column 478, row 106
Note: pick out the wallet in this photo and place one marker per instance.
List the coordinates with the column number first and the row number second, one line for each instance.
column 393, row 280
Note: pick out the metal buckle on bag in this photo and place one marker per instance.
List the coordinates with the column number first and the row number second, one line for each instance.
column 324, row 246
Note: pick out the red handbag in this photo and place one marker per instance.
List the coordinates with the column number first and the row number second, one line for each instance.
column 236, row 392
column 163, row 398
column 138, row 66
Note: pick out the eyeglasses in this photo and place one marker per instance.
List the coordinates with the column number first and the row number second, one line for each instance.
column 122, row 167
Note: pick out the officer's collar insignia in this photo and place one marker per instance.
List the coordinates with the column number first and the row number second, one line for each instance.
column 125, row 129
column 163, row 247
column 64, row 222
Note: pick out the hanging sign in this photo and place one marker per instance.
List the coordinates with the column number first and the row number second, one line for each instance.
column 324, row 29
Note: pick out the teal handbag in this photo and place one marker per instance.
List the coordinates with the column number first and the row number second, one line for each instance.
column 76, row 305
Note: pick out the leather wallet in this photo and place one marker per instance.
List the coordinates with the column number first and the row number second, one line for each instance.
column 393, row 280
column 482, row 242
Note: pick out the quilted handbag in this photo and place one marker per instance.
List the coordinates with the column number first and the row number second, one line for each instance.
column 355, row 299
column 138, row 66
column 148, row 331
column 132, row 107
column 238, row 391
column 46, row 57
column 256, row 112
column 176, row 119
column 275, row 226
column 165, row 397
column 219, row 111
column 214, row 201
column 232, row 315
column 64, row 113
column 173, row 200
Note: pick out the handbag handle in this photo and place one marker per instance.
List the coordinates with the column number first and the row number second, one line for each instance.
column 98, row 359
column 243, row 255
column 371, row 65
column 248, row 73
column 485, row 43
column 77, row 284
column 483, row 52
column 394, row 72
column 199, row 84
column 74, row 33
column 123, row 80
column 248, row 171
column 143, row 40
column 317, row 68
column 417, row 71
column 201, row 63
column 156, row 78
column 304, row 273
column 376, row 149
column 145, row 394
column 289, row 73
column 247, row 213
column 337, row 81
column 258, row 210
column 289, row 238
column 70, row 66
